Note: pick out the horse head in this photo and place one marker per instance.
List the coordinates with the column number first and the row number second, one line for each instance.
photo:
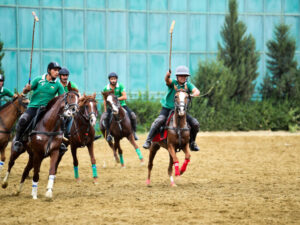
column 181, row 100
column 71, row 101
column 112, row 101
column 88, row 108
column 21, row 102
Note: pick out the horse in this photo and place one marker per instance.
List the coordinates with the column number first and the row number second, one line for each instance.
column 83, row 132
column 178, row 135
column 9, row 113
column 120, row 127
column 45, row 140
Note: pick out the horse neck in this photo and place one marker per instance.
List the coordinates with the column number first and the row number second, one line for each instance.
column 49, row 120
column 9, row 114
column 179, row 120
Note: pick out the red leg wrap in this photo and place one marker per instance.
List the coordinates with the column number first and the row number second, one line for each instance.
column 176, row 165
column 184, row 165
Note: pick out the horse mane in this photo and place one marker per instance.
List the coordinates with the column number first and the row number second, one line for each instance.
column 8, row 103
column 86, row 98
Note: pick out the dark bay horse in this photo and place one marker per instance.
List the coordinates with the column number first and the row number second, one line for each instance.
column 177, row 138
column 9, row 113
column 45, row 140
column 83, row 132
column 120, row 127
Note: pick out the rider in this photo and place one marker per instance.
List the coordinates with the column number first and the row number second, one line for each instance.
column 182, row 73
column 4, row 91
column 44, row 88
column 63, row 76
column 120, row 92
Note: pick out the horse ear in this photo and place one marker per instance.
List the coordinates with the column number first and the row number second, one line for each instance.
column 69, row 86
column 94, row 95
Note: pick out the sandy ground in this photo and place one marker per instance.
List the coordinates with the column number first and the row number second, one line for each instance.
column 236, row 178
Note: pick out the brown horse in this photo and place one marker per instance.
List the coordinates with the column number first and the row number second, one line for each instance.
column 83, row 132
column 45, row 140
column 177, row 139
column 9, row 113
column 120, row 127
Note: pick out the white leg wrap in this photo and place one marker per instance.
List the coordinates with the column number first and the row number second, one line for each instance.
column 6, row 177
column 50, row 182
column 34, row 189
column 1, row 166
column 171, row 179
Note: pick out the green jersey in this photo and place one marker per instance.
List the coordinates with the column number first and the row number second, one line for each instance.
column 118, row 91
column 44, row 91
column 168, row 100
column 73, row 85
column 5, row 92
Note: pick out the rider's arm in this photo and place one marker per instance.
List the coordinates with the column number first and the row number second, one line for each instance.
column 168, row 78
column 195, row 92
column 123, row 96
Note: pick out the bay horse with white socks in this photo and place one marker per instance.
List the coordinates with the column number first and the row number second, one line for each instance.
column 83, row 132
column 177, row 137
column 9, row 113
column 120, row 127
column 45, row 140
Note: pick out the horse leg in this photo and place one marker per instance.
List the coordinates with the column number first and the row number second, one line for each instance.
column 172, row 153
column 112, row 146
column 37, row 160
column 75, row 162
column 136, row 147
column 187, row 153
column 2, row 160
column 120, row 151
column 13, row 156
column 53, row 160
column 58, row 161
column 93, row 161
column 152, row 152
column 25, row 174
column 170, row 171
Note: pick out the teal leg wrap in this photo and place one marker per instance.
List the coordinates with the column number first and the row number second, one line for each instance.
column 138, row 152
column 121, row 160
column 94, row 168
column 76, row 174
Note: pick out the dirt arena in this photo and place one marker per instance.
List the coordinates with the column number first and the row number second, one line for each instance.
column 236, row 178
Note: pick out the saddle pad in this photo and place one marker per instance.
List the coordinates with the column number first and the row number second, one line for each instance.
column 164, row 133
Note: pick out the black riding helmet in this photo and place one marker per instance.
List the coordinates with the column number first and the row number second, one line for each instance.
column 1, row 77
column 112, row 74
column 53, row 65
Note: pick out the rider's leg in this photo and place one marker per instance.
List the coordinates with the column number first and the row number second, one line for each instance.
column 132, row 117
column 107, row 121
column 158, row 122
column 68, row 124
column 22, row 124
column 194, row 124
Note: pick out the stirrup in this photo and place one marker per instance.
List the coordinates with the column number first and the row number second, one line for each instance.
column 194, row 147
column 17, row 146
column 63, row 148
column 109, row 138
column 147, row 145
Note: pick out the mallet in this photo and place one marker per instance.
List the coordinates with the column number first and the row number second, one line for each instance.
column 35, row 19
column 171, row 33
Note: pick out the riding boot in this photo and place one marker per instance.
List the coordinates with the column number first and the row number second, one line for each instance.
column 193, row 145
column 107, row 126
column 133, row 124
column 18, row 145
column 159, row 121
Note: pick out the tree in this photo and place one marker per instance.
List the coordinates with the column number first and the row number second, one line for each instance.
column 239, row 55
column 282, row 80
column 1, row 56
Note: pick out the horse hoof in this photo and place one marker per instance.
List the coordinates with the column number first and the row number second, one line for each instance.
column 4, row 185
column 78, row 180
column 48, row 194
column 34, row 197
column 173, row 185
column 95, row 181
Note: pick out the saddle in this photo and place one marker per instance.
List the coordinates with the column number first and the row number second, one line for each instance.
column 163, row 130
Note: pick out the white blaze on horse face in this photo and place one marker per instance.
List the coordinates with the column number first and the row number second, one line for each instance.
column 181, row 103
column 113, row 105
column 92, row 115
